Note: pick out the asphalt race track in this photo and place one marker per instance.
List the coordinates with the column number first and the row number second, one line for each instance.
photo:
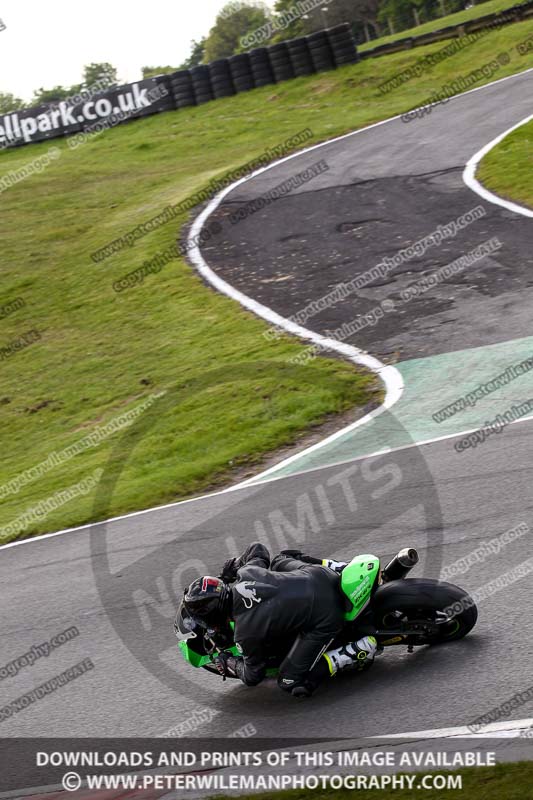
column 118, row 582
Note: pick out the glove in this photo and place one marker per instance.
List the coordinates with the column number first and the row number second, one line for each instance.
column 229, row 570
column 227, row 664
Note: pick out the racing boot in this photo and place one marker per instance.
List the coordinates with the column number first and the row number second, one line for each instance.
column 336, row 566
column 357, row 656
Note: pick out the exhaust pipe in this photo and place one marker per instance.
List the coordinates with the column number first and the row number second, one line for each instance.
column 400, row 565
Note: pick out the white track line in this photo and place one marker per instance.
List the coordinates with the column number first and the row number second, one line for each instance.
column 219, row 283
column 374, row 454
column 469, row 174
column 511, row 728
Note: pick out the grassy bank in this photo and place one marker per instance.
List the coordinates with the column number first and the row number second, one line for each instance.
column 458, row 18
column 502, row 782
column 232, row 395
column 508, row 169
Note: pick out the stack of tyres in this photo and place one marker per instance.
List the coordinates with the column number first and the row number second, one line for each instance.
column 201, row 84
column 321, row 54
column 182, row 88
column 280, row 61
column 163, row 91
column 300, row 57
column 261, row 69
column 221, row 81
column 241, row 72
column 342, row 44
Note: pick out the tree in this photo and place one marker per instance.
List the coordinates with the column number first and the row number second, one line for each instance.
column 232, row 23
column 8, row 103
column 360, row 14
column 367, row 16
column 290, row 28
column 93, row 73
column 402, row 14
column 42, row 96
column 196, row 56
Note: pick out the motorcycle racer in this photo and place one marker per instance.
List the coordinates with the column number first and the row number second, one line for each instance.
column 292, row 598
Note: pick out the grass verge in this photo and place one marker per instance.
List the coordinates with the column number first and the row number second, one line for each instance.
column 236, row 395
column 502, row 782
column 475, row 12
column 507, row 170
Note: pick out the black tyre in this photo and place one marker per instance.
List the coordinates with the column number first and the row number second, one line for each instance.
column 345, row 51
column 276, row 49
column 258, row 56
column 339, row 35
column 281, row 60
column 297, row 45
column 239, row 58
column 238, row 72
column 349, row 44
column 301, row 72
column 258, row 82
column 185, row 81
column 243, row 84
column 321, row 65
column 223, row 91
column 200, row 72
column 221, row 80
column 183, row 96
column 320, row 37
column 321, row 56
column 218, row 64
column 203, row 91
column 281, row 65
column 181, row 89
column 283, row 75
column 184, row 102
column 180, row 75
column 344, row 62
column 425, row 599
column 219, row 70
column 262, row 75
column 203, row 98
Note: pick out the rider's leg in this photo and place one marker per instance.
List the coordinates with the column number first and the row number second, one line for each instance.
column 337, row 566
column 358, row 656
column 326, row 622
column 288, row 560
column 354, row 656
column 297, row 673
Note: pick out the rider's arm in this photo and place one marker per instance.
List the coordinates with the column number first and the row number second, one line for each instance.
column 251, row 668
column 255, row 555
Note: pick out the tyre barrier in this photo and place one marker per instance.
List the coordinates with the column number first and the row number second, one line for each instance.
column 224, row 77
column 261, row 67
column 280, row 62
column 221, row 80
column 320, row 50
column 342, row 45
column 201, row 83
column 241, row 72
column 182, row 88
column 300, row 57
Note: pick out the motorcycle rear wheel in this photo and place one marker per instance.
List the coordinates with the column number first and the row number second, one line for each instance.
column 419, row 599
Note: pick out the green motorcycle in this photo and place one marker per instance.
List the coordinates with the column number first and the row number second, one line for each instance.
column 382, row 602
